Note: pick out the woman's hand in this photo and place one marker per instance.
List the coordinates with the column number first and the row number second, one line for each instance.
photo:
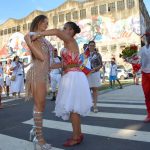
column 93, row 70
column 36, row 36
column 27, row 38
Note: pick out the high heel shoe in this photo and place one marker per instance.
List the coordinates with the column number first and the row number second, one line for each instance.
column 41, row 146
column 32, row 133
column 81, row 137
column 38, row 140
column 73, row 142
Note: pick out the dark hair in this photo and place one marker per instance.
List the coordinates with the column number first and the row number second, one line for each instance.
column 92, row 42
column 15, row 58
column 113, row 59
column 36, row 21
column 85, row 44
column 74, row 26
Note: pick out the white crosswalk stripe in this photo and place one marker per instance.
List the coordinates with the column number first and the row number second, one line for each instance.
column 117, row 116
column 122, row 106
column 101, row 131
column 122, row 101
column 12, row 143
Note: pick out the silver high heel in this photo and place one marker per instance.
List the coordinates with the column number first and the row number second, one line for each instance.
column 37, row 133
column 32, row 133
column 37, row 145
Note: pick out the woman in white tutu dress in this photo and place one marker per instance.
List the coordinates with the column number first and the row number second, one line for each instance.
column 74, row 97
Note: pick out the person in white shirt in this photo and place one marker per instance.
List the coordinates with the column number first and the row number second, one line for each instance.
column 8, row 76
column 113, row 74
column 1, row 83
column 17, row 85
column 55, row 75
column 145, row 68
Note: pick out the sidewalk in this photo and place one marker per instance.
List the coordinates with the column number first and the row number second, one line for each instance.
column 132, row 92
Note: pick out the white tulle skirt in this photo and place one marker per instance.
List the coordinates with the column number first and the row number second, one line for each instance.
column 73, row 95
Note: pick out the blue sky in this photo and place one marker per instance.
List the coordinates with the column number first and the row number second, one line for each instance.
column 21, row 8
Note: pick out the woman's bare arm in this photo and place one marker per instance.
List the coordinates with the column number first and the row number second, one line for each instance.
column 34, row 46
column 26, row 65
column 55, row 32
column 56, row 66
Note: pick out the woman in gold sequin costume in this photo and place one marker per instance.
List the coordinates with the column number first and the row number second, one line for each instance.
column 37, row 77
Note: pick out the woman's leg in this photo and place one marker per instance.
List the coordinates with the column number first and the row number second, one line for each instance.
column 76, row 125
column 77, row 137
column 137, row 80
column 7, row 90
column 18, row 94
column 94, row 89
column 39, row 94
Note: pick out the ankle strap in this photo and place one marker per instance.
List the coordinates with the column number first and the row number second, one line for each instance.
column 36, row 112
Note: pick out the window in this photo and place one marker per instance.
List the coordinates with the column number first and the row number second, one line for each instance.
column 25, row 27
column 18, row 28
column 68, row 16
column 83, row 14
column 111, row 7
column 102, row 9
column 29, row 24
column 61, row 18
column 75, row 15
column 104, row 49
column 5, row 31
column 55, row 20
column 113, row 48
column 120, row 5
column 130, row 3
column 94, row 10
column 13, row 29
column 9, row 30
column 1, row 32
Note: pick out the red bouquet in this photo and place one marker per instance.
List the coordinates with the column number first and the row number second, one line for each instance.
column 129, row 54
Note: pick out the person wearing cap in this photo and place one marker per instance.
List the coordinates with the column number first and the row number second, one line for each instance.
column 55, row 75
column 145, row 68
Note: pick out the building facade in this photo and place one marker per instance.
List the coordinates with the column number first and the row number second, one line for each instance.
column 111, row 23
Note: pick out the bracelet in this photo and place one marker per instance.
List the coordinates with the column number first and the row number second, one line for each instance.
column 39, row 35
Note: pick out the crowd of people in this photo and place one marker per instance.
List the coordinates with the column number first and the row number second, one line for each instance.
column 68, row 82
column 13, row 81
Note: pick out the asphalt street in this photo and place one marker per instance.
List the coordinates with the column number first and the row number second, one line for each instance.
column 117, row 126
